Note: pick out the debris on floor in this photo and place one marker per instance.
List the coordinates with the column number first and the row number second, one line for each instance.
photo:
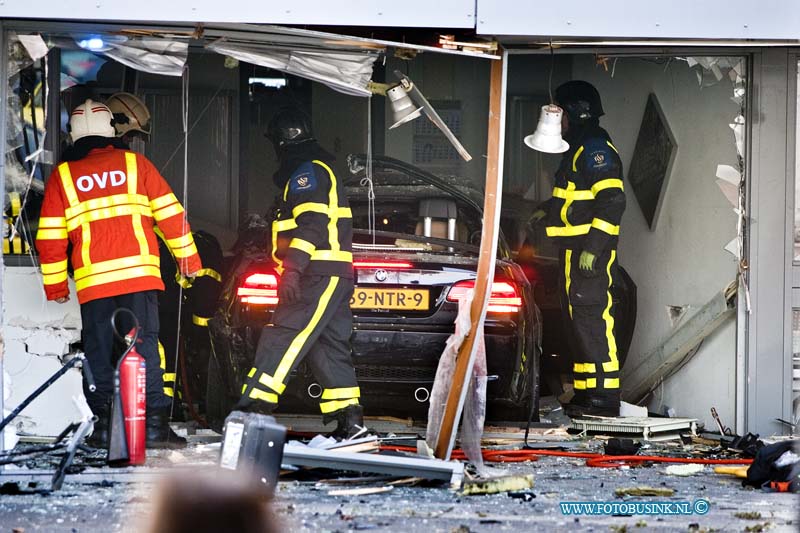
column 689, row 469
column 498, row 484
column 644, row 491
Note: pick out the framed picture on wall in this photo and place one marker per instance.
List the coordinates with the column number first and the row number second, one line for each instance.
column 652, row 161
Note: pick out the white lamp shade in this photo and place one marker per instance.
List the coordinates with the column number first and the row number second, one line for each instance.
column 403, row 109
column 547, row 137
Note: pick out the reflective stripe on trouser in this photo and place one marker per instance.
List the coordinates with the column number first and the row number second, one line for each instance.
column 102, row 351
column 316, row 329
column 169, row 377
column 588, row 311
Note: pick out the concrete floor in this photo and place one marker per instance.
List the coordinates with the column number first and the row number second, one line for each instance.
column 303, row 506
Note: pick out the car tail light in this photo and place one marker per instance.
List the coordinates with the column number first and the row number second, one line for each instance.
column 259, row 289
column 382, row 264
column 505, row 297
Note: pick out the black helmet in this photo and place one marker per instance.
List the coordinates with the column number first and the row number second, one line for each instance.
column 289, row 125
column 580, row 100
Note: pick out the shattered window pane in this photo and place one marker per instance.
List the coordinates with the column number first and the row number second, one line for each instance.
column 24, row 147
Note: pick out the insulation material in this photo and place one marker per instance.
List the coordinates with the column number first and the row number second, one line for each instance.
column 475, row 404
column 156, row 56
column 345, row 72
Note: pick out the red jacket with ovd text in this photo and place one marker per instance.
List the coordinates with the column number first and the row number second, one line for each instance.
column 106, row 205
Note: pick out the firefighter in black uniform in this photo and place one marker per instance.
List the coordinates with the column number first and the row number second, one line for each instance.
column 583, row 217
column 312, row 246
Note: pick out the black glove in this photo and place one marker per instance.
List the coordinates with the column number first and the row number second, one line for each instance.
column 289, row 287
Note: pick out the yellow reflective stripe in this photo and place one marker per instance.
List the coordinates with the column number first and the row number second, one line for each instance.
column 568, row 276
column 269, row 397
column 180, row 242
column 252, row 372
column 132, row 171
column 297, row 344
column 274, row 384
column 316, row 207
column 591, row 383
column 335, row 405
column 210, row 272
column 341, row 393
column 333, row 214
column 567, row 204
column 163, row 201
column 16, row 204
column 138, row 231
column 53, row 268
column 117, row 264
column 604, row 226
column 244, row 388
column 183, row 282
column 51, row 234
column 586, row 368
column 302, row 245
column 613, row 364
column 579, row 384
column 108, row 212
column 332, row 255
column 284, row 225
column 54, row 279
column 115, row 200
column 118, row 275
column 171, row 211
column 610, row 183
column 578, row 152
column 86, row 243
column 186, row 251
column 310, row 207
column 169, row 391
column 67, row 185
column 569, row 194
column 170, row 376
column 612, row 146
column 568, row 231
column 52, row 222
column 611, row 383
column 200, row 321
column 162, row 358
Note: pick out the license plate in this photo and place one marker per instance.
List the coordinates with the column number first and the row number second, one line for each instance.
column 400, row 299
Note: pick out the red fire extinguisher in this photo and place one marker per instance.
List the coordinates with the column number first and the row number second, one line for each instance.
column 128, row 411
column 133, row 388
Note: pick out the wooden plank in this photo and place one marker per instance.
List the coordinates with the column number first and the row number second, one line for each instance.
column 486, row 260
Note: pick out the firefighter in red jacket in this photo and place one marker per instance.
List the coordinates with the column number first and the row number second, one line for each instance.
column 105, row 201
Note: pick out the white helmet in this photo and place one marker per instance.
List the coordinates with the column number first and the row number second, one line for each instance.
column 130, row 113
column 90, row 118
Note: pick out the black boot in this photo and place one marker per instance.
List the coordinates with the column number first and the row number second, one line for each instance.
column 99, row 437
column 158, row 432
column 349, row 422
column 597, row 404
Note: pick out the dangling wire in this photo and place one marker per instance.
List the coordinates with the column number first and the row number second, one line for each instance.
column 366, row 181
column 185, row 202
column 550, row 76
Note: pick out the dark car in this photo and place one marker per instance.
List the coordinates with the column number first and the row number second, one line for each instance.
column 410, row 268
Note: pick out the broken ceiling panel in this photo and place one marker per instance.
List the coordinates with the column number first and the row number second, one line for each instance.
column 346, row 72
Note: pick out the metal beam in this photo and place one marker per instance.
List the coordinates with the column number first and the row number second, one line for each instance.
column 451, row 471
column 639, row 381
column 486, row 260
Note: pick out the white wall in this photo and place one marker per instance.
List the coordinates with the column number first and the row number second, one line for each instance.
column 682, row 262
column 36, row 334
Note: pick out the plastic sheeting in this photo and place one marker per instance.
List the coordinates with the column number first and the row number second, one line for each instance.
column 345, row 72
column 156, row 56
column 475, row 404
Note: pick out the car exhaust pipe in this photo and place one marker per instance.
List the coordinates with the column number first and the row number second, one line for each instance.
column 422, row 395
column 314, row 390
